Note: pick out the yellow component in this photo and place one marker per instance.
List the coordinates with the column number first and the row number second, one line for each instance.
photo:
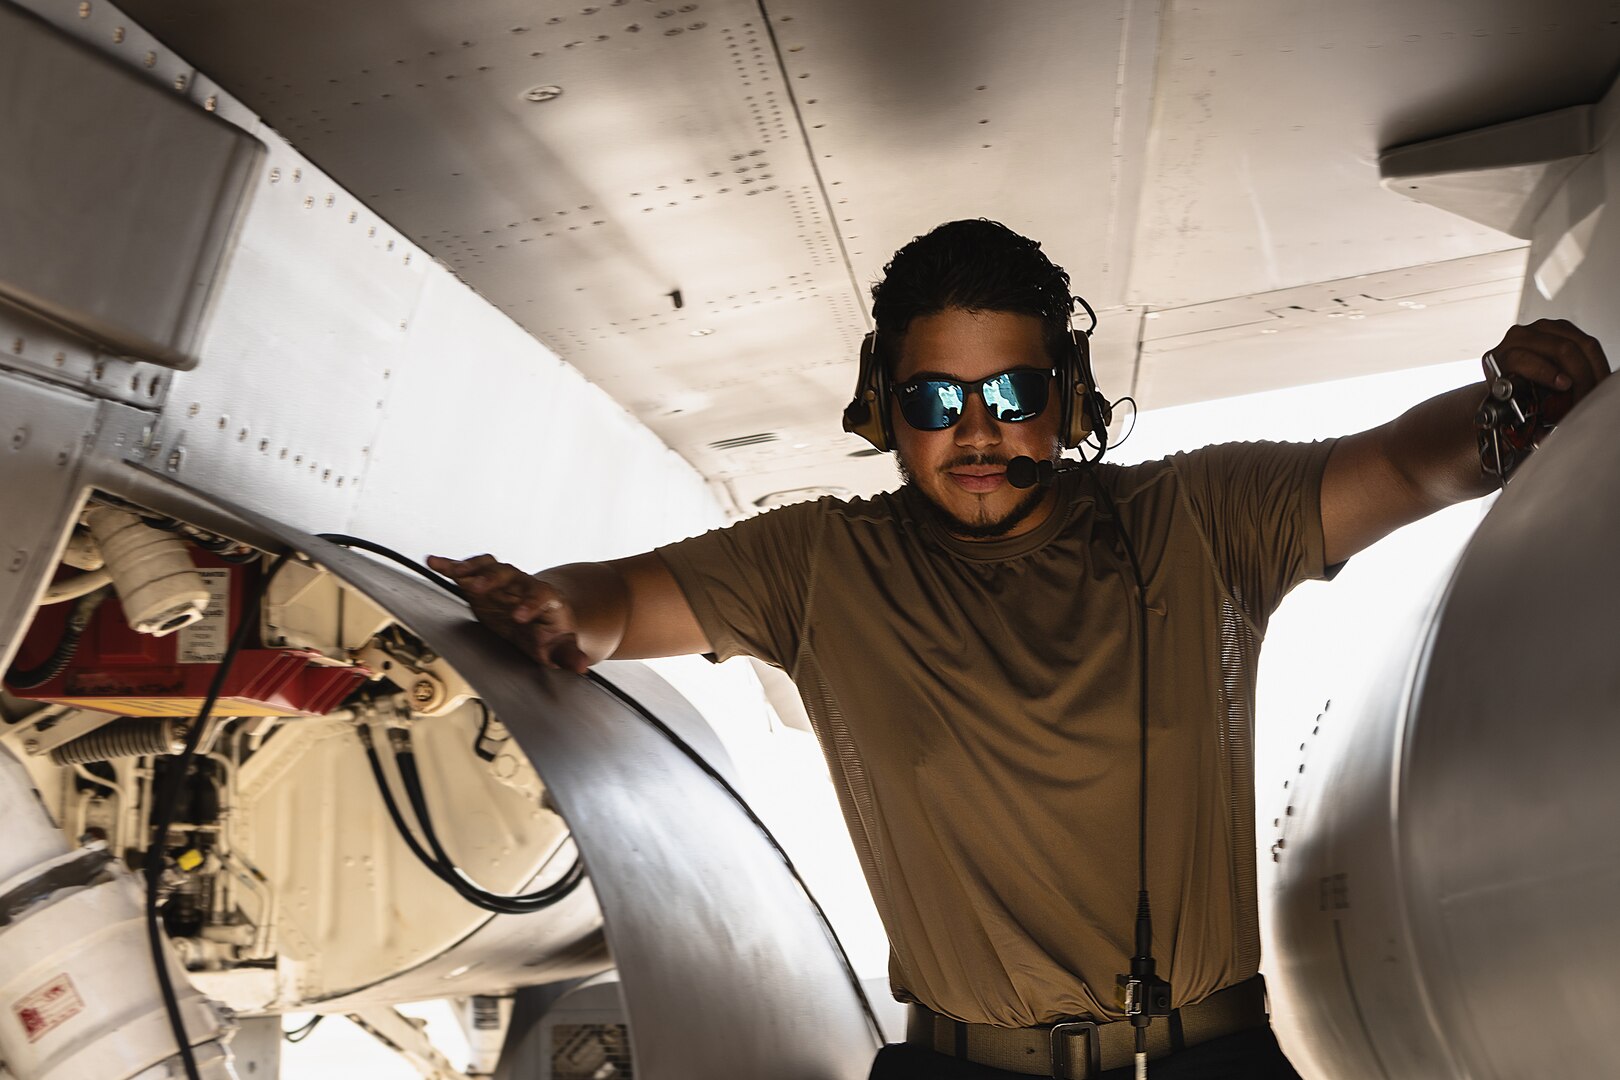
column 172, row 706
column 190, row 859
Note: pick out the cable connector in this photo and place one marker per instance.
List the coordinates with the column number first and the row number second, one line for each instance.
column 1142, row 995
column 399, row 740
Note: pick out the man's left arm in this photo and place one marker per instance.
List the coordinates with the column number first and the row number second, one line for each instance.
column 1428, row 457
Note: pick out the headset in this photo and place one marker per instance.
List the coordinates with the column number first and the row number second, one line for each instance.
column 1085, row 410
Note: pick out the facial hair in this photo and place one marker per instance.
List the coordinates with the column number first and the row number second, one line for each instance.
column 969, row 530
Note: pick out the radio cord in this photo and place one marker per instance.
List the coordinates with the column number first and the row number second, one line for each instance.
column 1141, row 993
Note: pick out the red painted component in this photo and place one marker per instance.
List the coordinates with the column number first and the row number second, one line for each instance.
column 118, row 671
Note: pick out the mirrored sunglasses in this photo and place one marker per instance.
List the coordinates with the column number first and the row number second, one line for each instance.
column 1010, row 396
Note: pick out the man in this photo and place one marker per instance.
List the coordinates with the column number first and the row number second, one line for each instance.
column 971, row 656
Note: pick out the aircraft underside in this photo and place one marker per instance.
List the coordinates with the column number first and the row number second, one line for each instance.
column 240, row 364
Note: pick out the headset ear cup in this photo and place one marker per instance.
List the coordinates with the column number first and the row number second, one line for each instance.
column 1085, row 410
column 867, row 413
column 1072, row 384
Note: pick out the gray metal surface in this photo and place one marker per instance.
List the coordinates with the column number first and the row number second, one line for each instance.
column 43, row 434
column 1513, row 814
column 350, row 383
column 1574, row 258
column 1263, row 172
column 727, row 969
column 1447, row 882
column 765, row 158
column 1356, row 326
column 256, row 1046
column 1500, row 176
column 1446, row 865
column 579, row 215
column 167, row 210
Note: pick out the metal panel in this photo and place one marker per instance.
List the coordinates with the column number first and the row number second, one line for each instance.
column 1500, row 176
column 1170, row 154
column 506, row 449
column 727, row 968
column 1447, row 882
column 1263, row 170
column 354, row 909
column 54, row 354
column 308, row 329
column 1388, row 321
column 1510, row 801
column 326, row 368
column 1575, row 246
column 145, row 241
column 43, row 434
column 578, row 214
column 1037, row 119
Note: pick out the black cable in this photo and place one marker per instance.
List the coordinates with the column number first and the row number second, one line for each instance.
column 1154, row 995
column 483, row 733
column 516, row 905
column 442, row 866
column 1142, row 963
column 1135, row 412
column 298, row 1035
column 439, row 863
column 169, row 801
column 344, row 540
column 680, row 744
column 1144, row 918
column 1142, row 693
column 66, row 646
column 394, row 815
column 446, row 872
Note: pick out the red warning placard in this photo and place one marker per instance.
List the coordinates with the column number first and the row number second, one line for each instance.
column 48, row 1008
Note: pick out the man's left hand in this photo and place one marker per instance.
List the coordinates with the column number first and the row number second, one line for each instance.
column 1553, row 353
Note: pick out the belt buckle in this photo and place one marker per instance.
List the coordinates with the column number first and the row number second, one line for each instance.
column 1060, row 1059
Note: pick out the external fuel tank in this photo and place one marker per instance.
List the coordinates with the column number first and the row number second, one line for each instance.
column 1447, row 898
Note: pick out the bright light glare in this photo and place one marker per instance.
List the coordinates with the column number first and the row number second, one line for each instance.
column 1325, row 634
column 337, row 1050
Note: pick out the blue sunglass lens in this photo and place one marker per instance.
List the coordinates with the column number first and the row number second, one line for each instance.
column 936, row 404
column 1015, row 395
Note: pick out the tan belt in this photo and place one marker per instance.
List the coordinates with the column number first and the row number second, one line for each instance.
column 1081, row 1049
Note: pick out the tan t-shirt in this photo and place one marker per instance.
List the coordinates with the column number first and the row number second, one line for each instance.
column 977, row 704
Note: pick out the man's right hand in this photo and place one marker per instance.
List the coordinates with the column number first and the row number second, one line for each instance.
column 528, row 612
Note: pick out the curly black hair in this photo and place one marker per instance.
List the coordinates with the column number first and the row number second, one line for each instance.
column 970, row 265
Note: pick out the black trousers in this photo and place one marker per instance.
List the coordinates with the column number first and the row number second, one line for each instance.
column 1248, row 1055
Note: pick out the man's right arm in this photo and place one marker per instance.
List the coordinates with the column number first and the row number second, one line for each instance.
column 576, row 615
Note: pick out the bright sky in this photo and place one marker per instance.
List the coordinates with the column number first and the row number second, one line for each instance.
column 1316, row 641
column 338, row 1050
column 1325, row 634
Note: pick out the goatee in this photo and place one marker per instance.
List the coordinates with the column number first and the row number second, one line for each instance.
column 973, row 530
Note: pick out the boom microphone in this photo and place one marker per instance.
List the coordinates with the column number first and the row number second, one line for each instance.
column 1026, row 472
